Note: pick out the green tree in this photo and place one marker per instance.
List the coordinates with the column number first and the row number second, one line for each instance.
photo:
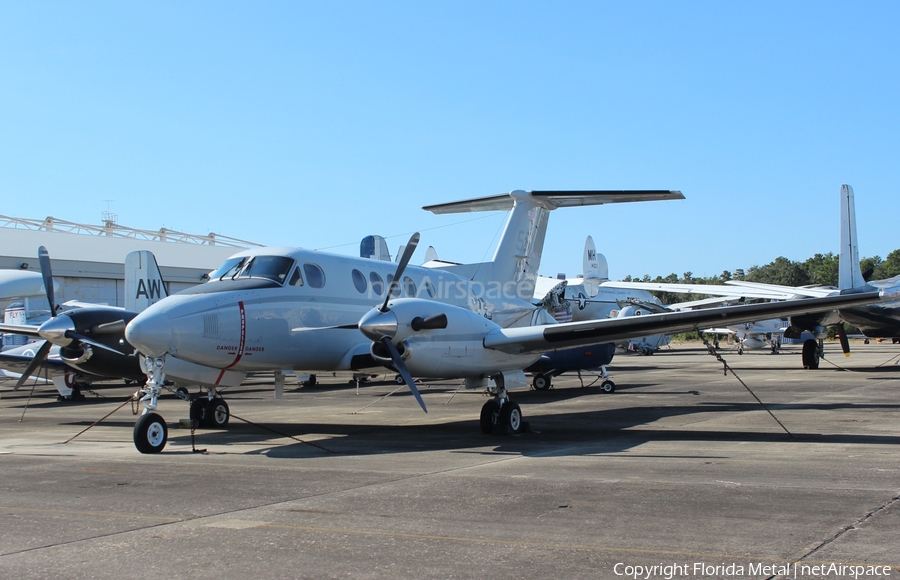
column 822, row 269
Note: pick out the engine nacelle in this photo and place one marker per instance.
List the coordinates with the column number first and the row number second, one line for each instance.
column 439, row 340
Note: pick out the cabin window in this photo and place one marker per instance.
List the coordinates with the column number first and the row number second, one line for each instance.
column 315, row 277
column 409, row 286
column 275, row 268
column 359, row 281
column 296, row 278
column 377, row 284
column 429, row 289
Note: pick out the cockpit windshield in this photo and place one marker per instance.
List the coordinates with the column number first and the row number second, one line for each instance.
column 227, row 270
column 275, row 268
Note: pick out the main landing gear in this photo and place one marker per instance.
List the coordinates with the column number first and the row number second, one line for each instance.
column 151, row 433
column 501, row 415
column 812, row 352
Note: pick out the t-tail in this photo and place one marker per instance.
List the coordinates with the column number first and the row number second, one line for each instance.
column 518, row 255
column 143, row 282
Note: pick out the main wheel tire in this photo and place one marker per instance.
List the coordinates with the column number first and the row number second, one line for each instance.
column 489, row 416
column 399, row 379
column 541, row 382
column 810, row 354
column 198, row 412
column 217, row 414
column 150, row 433
column 608, row 387
column 510, row 420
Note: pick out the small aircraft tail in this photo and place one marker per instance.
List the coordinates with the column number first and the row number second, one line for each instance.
column 849, row 272
column 374, row 247
column 143, row 282
column 596, row 269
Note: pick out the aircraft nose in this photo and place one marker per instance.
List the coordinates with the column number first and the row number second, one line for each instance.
column 150, row 333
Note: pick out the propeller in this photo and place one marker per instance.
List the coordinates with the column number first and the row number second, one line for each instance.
column 404, row 260
column 44, row 261
column 380, row 325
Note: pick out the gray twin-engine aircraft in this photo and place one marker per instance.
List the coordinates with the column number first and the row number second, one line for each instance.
column 285, row 308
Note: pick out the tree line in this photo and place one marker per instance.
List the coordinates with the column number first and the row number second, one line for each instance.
column 821, row 269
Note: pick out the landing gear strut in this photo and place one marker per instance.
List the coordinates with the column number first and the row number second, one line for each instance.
column 150, row 431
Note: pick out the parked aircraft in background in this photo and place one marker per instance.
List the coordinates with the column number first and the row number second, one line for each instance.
column 276, row 308
column 25, row 290
column 874, row 321
column 84, row 343
column 753, row 335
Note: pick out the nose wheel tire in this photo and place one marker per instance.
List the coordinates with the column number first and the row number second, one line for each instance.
column 608, row 387
column 150, row 433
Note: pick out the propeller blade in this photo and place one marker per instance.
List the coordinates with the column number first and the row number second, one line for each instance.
column 39, row 357
column 401, row 266
column 114, row 327
column 314, row 328
column 404, row 372
column 845, row 342
column 88, row 340
column 46, row 272
column 431, row 323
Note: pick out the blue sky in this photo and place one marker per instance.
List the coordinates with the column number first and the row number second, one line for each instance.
column 315, row 123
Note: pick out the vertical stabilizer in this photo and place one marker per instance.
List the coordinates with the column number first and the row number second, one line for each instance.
column 143, row 282
column 849, row 273
column 518, row 254
column 374, row 247
column 596, row 269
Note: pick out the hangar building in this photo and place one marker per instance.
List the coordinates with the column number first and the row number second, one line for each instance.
column 88, row 261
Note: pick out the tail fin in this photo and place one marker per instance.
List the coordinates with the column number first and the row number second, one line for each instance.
column 143, row 282
column 849, row 273
column 518, row 255
column 596, row 269
column 374, row 247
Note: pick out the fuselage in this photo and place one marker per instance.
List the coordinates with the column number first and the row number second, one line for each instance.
column 288, row 308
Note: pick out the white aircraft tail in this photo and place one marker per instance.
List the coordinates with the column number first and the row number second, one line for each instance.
column 518, row 255
column 849, row 272
column 374, row 247
column 595, row 268
column 143, row 282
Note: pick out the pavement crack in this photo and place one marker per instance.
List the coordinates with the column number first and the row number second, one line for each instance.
column 884, row 506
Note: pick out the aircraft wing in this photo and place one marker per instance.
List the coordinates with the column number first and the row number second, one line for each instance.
column 23, row 329
column 17, row 363
column 776, row 293
column 812, row 292
column 717, row 331
column 545, row 337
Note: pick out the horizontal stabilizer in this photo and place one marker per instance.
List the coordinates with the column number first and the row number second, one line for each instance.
column 554, row 199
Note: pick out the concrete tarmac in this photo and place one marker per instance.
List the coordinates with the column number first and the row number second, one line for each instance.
column 680, row 473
